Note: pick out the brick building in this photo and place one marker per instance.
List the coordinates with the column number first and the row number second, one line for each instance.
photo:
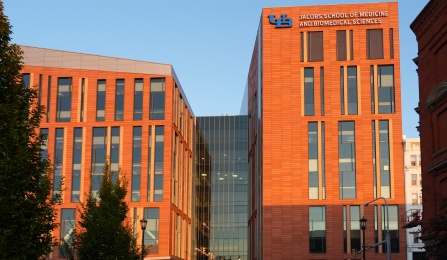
column 431, row 33
column 132, row 112
column 325, row 132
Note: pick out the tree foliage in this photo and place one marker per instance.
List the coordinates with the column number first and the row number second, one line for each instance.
column 27, row 215
column 435, row 230
column 103, row 231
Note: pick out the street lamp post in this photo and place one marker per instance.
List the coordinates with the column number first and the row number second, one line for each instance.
column 143, row 224
column 363, row 227
column 387, row 238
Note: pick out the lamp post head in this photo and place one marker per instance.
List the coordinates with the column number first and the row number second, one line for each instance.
column 363, row 221
column 143, row 224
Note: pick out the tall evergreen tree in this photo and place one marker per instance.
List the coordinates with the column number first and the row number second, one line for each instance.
column 27, row 215
column 103, row 231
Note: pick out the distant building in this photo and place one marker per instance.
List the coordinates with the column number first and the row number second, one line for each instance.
column 430, row 28
column 132, row 112
column 413, row 198
column 222, row 183
column 325, row 132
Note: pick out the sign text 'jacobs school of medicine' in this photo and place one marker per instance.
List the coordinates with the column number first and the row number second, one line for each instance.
column 331, row 19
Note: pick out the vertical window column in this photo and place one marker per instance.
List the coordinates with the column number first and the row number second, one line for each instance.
column 44, row 147
column 63, row 110
column 317, row 229
column 99, row 153
column 101, row 100
column 119, row 100
column 341, row 45
column 67, row 228
column 386, row 89
column 82, row 110
column 313, row 159
column 48, row 99
column 355, row 227
column 58, row 161
column 159, row 163
column 157, row 99
column 393, row 212
column 152, row 215
column 342, row 90
column 315, row 46
column 136, row 163
column 309, row 102
column 138, row 99
column 385, row 178
column 115, row 152
column 77, row 165
column 352, row 91
column 374, row 44
column 346, row 159
column 149, row 165
column 322, row 90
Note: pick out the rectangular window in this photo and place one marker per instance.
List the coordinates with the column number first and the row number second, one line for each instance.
column 374, row 156
column 386, row 88
column 63, row 110
column 391, row 43
column 149, row 167
column 323, row 160
column 157, row 99
column 413, row 160
column 420, row 180
column 48, row 99
column 99, row 154
column 101, row 100
column 136, row 163
column 394, row 227
column 315, row 46
column 317, row 229
column 414, row 198
column 352, row 91
column 301, row 46
column 351, row 44
column 385, row 176
column 151, row 236
column 67, row 228
column 373, row 96
column 159, row 163
column 119, row 100
column 39, row 100
column 82, row 99
column 58, row 161
column 115, row 152
column 322, row 90
column 313, row 159
column 374, row 44
column 345, row 230
column 44, row 147
column 26, row 79
column 346, row 159
column 341, row 45
column 355, row 227
column 77, row 165
column 138, row 99
column 342, row 89
column 309, row 102
column 414, row 180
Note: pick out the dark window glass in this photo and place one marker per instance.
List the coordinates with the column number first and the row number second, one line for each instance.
column 317, row 229
column 67, row 227
column 374, row 44
column 82, row 99
column 355, row 227
column 351, row 45
column 115, row 152
column 101, row 100
column 301, row 47
column 315, row 46
column 352, row 91
column 345, row 230
column 386, row 89
column 99, row 153
column 346, row 155
column 44, row 147
column 77, row 165
column 26, row 79
column 374, row 149
column 309, row 102
column 391, row 43
column 39, row 101
column 138, row 99
column 342, row 90
column 341, row 45
column 373, row 96
column 385, row 177
column 58, row 160
column 48, row 99
column 63, row 110
column 322, row 90
column 149, row 166
column 136, row 163
column 393, row 212
column 152, row 215
column 323, row 159
column 157, row 99
column 159, row 163
column 313, row 159
column 119, row 99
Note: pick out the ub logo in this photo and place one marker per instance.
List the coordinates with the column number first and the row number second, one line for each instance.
column 282, row 22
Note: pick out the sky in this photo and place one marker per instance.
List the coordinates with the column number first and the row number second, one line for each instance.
column 209, row 43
